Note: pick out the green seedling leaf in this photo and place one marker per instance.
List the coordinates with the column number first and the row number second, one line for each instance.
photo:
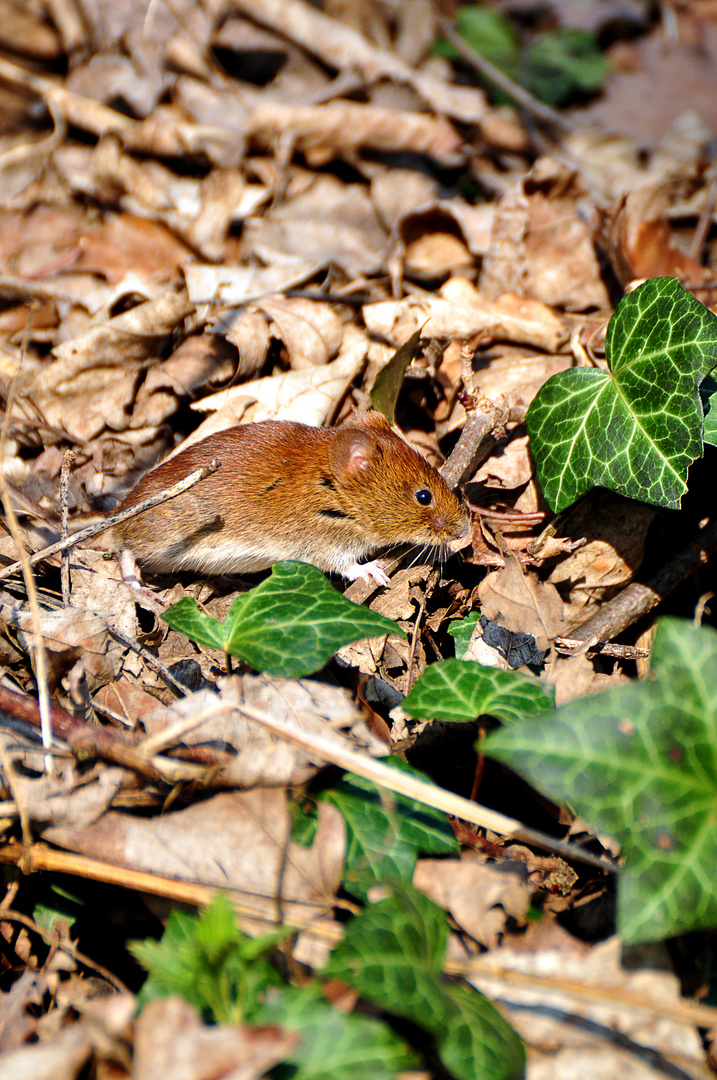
column 461, row 630
column 640, row 763
column 387, row 384
column 289, row 625
column 463, row 690
column 209, row 962
column 335, row 1046
column 386, row 832
column 393, row 954
column 635, row 428
column 562, row 61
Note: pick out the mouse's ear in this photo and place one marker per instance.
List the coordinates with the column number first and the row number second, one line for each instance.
column 352, row 451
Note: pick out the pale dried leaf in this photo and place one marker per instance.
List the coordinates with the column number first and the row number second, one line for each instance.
column 309, row 396
column 460, row 311
column 548, row 1016
column 170, row 1040
column 311, row 332
column 240, row 841
column 240, row 284
column 479, row 898
column 521, row 602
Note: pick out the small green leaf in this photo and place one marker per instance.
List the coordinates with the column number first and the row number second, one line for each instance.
column 386, row 832
column 636, row 428
column 289, row 625
column 335, row 1046
column 387, row 384
column 640, row 763
column 393, row 955
column 561, row 61
column 463, row 690
column 209, row 962
column 187, row 619
column 461, row 630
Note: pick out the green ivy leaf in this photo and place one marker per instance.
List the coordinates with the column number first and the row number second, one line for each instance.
column 335, row 1046
column 386, row 832
column 289, row 625
column 640, row 763
column 393, row 954
column 461, row 630
column 635, row 428
column 463, row 690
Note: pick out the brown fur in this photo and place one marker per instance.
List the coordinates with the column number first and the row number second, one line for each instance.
column 327, row 496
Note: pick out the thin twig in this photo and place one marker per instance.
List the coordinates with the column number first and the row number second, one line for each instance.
column 518, row 93
column 116, row 519
column 43, row 689
column 638, row 599
column 491, row 968
column 149, row 657
column 7, row 765
column 347, row 758
column 485, row 424
column 66, row 946
column 67, row 460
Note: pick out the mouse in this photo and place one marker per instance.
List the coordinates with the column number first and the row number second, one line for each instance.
column 331, row 497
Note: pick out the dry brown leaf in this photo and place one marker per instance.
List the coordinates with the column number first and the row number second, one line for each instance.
column 311, row 396
column 328, row 222
column 311, row 331
column 240, row 284
column 170, row 1040
column 540, row 246
column 262, row 758
column 574, row 1036
column 72, row 634
column 323, row 132
column 91, row 383
column 520, row 602
column 69, row 800
column 459, row 310
column 341, row 46
column 239, row 841
column 60, row 1058
column 478, row 897
column 615, row 530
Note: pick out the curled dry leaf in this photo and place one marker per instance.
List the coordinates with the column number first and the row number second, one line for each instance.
column 310, row 396
column 540, row 245
column 480, row 898
column 263, row 758
column 615, row 530
column 520, row 602
column 311, row 331
column 90, row 384
column 459, row 310
column 324, row 132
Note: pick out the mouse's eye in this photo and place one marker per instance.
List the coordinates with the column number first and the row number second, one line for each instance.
column 424, row 497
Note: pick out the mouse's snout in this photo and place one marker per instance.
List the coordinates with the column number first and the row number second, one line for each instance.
column 447, row 526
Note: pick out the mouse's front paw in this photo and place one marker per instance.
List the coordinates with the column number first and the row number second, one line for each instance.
column 370, row 571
